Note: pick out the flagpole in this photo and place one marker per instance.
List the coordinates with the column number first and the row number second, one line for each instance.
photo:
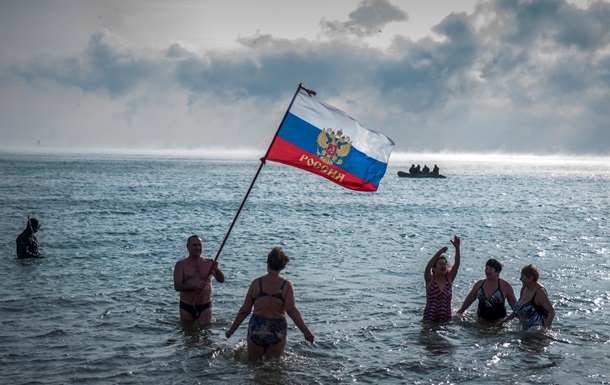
column 260, row 167
column 263, row 159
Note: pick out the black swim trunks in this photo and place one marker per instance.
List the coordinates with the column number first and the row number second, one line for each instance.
column 195, row 310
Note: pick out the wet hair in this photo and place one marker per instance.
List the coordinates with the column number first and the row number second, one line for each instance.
column 277, row 259
column 188, row 240
column 494, row 263
column 443, row 256
column 33, row 224
column 531, row 271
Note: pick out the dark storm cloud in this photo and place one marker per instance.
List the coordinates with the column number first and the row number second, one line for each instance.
column 526, row 22
column 265, row 69
column 421, row 78
column 553, row 46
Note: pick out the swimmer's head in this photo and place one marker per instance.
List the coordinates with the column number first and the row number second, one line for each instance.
column 277, row 259
column 34, row 224
column 495, row 264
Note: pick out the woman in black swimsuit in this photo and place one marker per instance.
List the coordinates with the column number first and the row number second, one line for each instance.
column 492, row 292
column 272, row 297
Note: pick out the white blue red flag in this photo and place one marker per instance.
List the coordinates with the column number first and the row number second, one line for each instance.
column 321, row 139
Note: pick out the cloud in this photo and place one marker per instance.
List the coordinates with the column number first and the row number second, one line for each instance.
column 368, row 19
column 104, row 65
column 512, row 76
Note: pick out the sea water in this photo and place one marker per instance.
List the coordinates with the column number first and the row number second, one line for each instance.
column 101, row 307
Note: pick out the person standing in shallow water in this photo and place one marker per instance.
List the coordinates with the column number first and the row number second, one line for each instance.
column 534, row 309
column 27, row 244
column 492, row 293
column 272, row 297
column 439, row 277
column 193, row 279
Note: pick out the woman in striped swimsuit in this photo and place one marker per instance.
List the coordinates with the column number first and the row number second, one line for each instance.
column 439, row 276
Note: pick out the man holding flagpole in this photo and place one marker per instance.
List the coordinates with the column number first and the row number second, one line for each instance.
column 193, row 279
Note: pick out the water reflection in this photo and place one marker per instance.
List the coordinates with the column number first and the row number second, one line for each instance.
column 434, row 338
column 536, row 342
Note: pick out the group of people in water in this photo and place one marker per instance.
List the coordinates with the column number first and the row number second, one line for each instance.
column 533, row 308
column 271, row 297
column 426, row 170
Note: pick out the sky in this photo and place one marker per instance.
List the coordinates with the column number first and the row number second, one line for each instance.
column 436, row 76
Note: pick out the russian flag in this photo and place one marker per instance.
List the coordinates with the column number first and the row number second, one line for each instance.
column 321, row 139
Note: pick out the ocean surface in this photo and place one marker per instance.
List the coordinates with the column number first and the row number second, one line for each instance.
column 101, row 308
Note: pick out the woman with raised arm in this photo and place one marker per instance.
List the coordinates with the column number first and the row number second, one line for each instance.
column 439, row 277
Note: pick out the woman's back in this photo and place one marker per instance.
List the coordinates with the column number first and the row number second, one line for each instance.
column 269, row 296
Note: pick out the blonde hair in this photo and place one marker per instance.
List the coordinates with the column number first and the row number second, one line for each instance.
column 531, row 271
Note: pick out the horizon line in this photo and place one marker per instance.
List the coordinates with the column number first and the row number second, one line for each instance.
column 256, row 154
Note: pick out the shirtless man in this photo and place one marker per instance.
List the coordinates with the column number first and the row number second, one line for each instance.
column 193, row 279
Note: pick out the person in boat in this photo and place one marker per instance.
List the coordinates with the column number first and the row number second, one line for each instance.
column 272, row 297
column 417, row 170
column 412, row 169
column 435, row 170
column 534, row 309
column 492, row 293
column 193, row 279
column 439, row 277
column 27, row 244
column 426, row 169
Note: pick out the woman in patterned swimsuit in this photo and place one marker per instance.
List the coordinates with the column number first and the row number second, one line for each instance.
column 272, row 297
column 439, row 278
column 492, row 292
column 534, row 308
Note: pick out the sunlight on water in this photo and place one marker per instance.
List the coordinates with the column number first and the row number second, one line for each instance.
column 101, row 308
column 500, row 158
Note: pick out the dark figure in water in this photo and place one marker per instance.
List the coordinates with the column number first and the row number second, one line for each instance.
column 426, row 169
column 27, row 245
column 435, row 170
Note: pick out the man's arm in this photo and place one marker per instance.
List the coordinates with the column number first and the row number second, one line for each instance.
column 217, row 273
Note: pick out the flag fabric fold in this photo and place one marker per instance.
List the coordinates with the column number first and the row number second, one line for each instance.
column 324, row 140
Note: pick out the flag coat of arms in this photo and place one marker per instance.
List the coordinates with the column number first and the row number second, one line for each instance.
column 324, row 140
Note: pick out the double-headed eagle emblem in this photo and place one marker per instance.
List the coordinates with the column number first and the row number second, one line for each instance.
column 332, row 147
